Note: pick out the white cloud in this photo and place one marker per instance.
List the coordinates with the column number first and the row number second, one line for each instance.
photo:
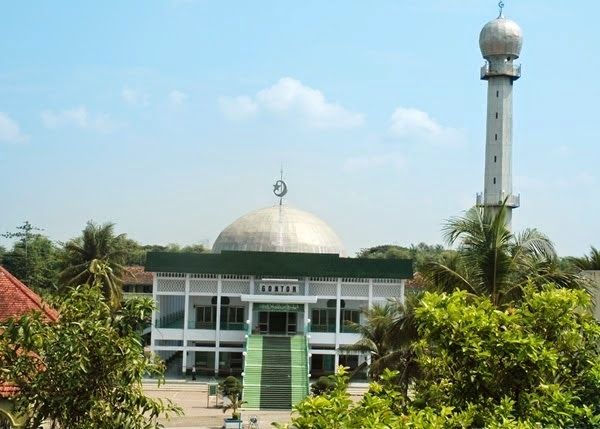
column 10, row 131
column 289, row 97
column 177, row 98
column 134, row 97
column 238, row 108
column 78, row 117
column 359, row 163
column 408, row 122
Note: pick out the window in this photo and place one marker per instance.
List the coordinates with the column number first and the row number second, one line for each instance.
column 494, row 158
column 323, row 320
column 205, row 317
column 232, row 314
column 496, row 137
column 496, row 115
column 497, row 94
column 205, row 314
column 494, row 180
column 349, row 316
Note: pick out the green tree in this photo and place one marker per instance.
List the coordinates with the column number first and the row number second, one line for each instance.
column 586, row 262
column 537, row 362
column 387, row 335
column 135, row 253
column 85, row 370
column 33, row 258
column 98, row 244
column 494, row 262
column 420, row 253
column 530, row 365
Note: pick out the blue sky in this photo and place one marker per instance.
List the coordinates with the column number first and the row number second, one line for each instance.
column 172, row 118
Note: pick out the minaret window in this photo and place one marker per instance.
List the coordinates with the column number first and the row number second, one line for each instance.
column 496, row 137
column 497, row 94
column 494, row 158
column 496, row 115
column 494, row 180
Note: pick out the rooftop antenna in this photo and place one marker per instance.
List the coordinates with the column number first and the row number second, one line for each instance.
column 280, row 188
column 501, row 6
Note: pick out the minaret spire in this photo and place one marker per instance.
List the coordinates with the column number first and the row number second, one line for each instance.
column 500, row 41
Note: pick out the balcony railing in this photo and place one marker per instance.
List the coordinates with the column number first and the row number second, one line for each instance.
column 512, row 200
column 323, row 328
column 505, row 69
column 224, row 326
column 171, row 321
column 347, row 329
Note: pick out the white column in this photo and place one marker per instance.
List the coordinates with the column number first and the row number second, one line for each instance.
column 251, row 304
column 338, row 313
column 402, row 291
column 218, row 322
column 306, row 307
column 185, row 322
column 249, row 318
column 370, row 293
column 153, row 319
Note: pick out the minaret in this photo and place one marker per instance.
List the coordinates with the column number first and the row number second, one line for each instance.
column 500, row 42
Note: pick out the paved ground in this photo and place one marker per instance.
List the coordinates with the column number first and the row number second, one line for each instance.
column 203, row 414
column 192, row 397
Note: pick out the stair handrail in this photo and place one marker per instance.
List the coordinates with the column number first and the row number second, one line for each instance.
column 245, row 354
column 307, row 347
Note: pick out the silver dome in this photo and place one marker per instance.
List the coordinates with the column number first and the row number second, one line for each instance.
column 501, row 37
column 279, row 228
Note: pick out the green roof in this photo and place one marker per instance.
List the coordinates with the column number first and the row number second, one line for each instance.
column 275, row 264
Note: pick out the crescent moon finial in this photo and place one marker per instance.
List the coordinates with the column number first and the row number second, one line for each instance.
column 280, row 188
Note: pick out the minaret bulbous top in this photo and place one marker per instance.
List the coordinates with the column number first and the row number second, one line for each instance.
column 501, row 37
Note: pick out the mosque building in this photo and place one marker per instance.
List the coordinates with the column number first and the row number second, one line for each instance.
column 272, row 301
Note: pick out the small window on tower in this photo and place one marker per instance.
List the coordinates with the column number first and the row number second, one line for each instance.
column 496, row 137
column 497, row 94
column 496, row 115
column 494, row 180
column 494, row 158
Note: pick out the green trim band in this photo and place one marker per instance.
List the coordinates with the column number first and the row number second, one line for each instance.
column 273, row 264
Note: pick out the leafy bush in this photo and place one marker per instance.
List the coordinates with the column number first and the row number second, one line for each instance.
column 85, row 370
column 231, row 387
column 322, row 385
column 527, row 366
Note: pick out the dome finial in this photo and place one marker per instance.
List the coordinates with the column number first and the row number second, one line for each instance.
column 280, row 187
column 501, row 6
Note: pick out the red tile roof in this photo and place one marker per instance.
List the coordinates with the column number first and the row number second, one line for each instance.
column 136, row 275
column 8, row 390
column 17, row 299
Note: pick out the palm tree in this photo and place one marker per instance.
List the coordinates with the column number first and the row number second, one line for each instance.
column 375, row 338
column 492, row 261
column 587, row 263
column 387, row 336
column 96, row 258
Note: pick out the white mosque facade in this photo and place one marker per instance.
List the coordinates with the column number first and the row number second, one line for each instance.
column 275, row 273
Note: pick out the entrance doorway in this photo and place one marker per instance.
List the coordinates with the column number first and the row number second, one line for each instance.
column 278, row 322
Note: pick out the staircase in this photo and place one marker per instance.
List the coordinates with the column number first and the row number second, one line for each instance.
column 275, row 372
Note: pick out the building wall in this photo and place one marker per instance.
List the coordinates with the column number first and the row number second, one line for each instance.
column 182, row 339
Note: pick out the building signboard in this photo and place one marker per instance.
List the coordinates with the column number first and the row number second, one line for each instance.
column 289, row 308
column 287, row 289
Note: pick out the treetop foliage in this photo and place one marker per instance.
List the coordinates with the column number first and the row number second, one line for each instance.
column 533, row 364
column 85, row 370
